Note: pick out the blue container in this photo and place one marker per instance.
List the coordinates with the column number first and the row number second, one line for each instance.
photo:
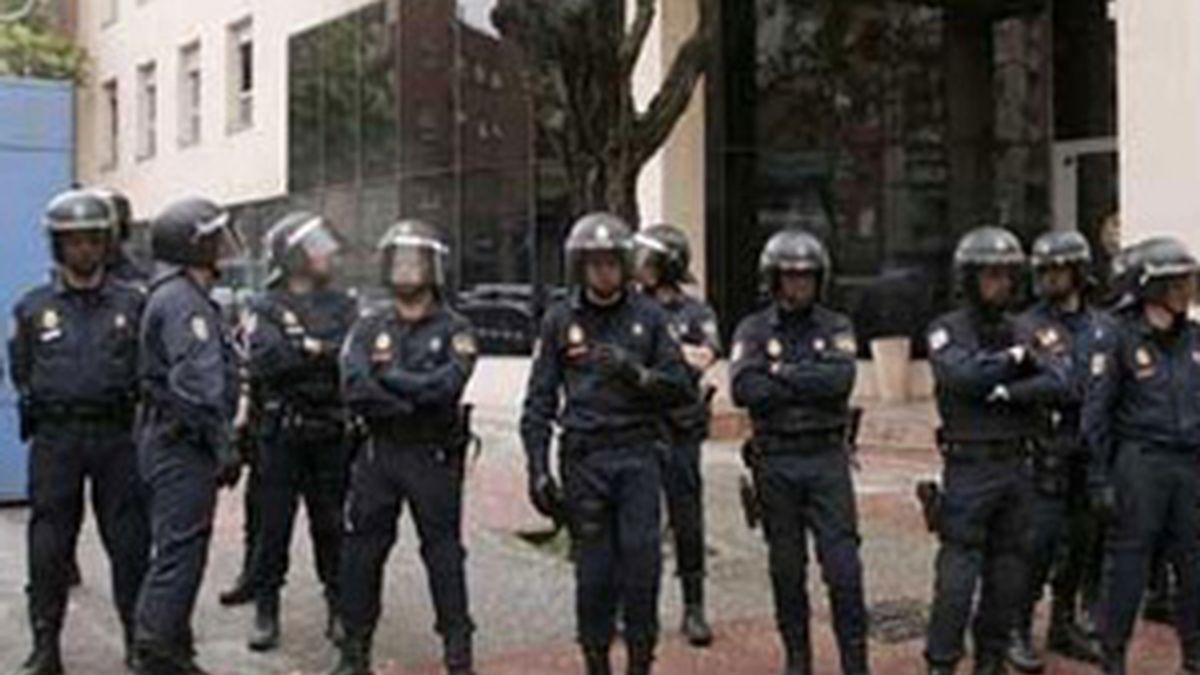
column 37, row 148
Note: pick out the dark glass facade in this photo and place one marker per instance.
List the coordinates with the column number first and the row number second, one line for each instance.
column 889, row 128
column 416, row 110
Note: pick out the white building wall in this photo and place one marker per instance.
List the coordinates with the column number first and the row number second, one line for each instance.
column 228, row 167
column 1158, row 43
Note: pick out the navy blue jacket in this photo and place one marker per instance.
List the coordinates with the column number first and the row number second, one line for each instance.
column 1069, row 336
column 692, row 322
column 571, row 385
column 280, row 369
column 970, row 358
column 76, row 347
column 794, row 372
column 1143, row 388
column 409, row 375
column 188, row 364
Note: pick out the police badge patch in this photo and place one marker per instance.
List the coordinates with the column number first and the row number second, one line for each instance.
column 774, row 349
column 1099, row 365
column 938, row 340
column 50, row 320
column 200, row 328
column 464, row 345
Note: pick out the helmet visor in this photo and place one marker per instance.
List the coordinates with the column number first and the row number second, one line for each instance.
column 412, row 266
column 224, row 237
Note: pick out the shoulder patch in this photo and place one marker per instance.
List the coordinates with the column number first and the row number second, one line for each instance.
column 464, row 345
column 200, row 328
column 845, row 343
column 939, row 340
column 1099, row 365
column 739, row 351
column 50, row 319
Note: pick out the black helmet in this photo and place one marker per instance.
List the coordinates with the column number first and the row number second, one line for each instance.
column 667, row 249
column 1124, row 272
column 193, row 232
column 794, row 251
column 596, row 233
column 76, row 211
column 293, row 240
column 1061, row 248
column 122, row 211
column 409, row 241
column 1163, row 258
column 985, row 247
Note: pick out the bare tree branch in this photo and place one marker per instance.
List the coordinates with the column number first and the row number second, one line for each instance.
column 631, row 46
column 654, row 126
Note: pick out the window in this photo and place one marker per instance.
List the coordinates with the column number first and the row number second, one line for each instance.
column 147, row 111
column 109, row 11
column 241, row 76
column 111, row 125
column 190, row 88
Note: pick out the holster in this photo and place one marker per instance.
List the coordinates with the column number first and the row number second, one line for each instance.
column 748, row 485
column 929, row 494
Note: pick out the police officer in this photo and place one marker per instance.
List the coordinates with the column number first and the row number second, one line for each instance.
column 404, row 369
column 793, row 368
column 74, row 365
column 990, row 388
column 662, row 267
column 1061, row 537
column 189, row 387
column 294, row 333
column 609, row 353
column 120, row 263
column 1141, row 418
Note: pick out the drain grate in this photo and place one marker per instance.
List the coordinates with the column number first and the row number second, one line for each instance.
column 897, row 621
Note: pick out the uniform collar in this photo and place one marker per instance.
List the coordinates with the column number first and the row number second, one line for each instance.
column 62, row 289
column 579, row 301
column 776, row 316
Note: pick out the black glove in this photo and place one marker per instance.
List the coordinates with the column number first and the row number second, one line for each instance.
column 616, row 362
column 546, row 495
column 1103, row 501
column 229, row 464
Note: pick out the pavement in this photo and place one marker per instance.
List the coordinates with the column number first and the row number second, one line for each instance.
column 522, row 595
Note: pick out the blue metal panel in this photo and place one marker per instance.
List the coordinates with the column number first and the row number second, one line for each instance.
column 37, row 132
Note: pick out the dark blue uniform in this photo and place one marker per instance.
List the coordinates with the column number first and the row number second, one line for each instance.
column 794, row 372
column 406, row 379
column 610, row 448
column 1141, row 419
column 690, row 322
column 302, row 426
column 189, row 385
column 123, row 268
column 985, row 443
column 1063, row 534
column 73, row 358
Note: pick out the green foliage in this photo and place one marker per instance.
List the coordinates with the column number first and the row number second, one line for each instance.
column 33, row 49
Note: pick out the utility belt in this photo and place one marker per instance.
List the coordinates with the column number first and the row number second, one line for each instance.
column 117, row 413
column 985, row 450
column 443, row 431
column 582, row 444
column 1169, row 449
column 309, row 419
column 807, row 443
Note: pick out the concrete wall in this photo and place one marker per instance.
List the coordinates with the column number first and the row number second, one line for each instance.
column 1158, row 44
column 230, row 167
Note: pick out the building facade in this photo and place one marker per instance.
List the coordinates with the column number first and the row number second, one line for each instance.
column 887, row 127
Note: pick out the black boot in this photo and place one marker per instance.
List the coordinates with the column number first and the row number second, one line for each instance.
column 935, row 669
column 854, row 658
column 1021, row 653
column 1068, row 638
column 1114, row 662
column 265, row 636
column 46, row 658
column 459, row 654
column 333, row 623
column 242, row 591
column 354, row 655
column 595, row 660
column 695, row 625
column 798, row 654
column 155, row 658
column 641, row 657
column 990, row 664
